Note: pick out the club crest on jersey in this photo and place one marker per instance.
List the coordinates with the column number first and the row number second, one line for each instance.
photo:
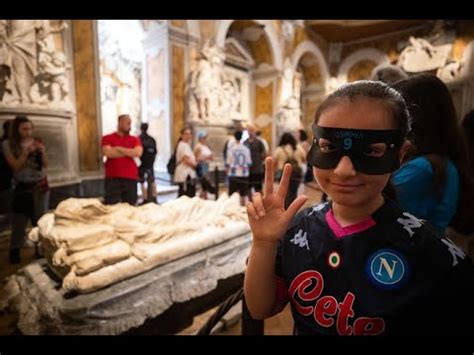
column 387, row 269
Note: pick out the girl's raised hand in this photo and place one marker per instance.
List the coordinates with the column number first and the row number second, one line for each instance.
column 267, row 215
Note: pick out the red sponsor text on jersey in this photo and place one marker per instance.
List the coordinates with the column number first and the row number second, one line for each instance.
column 309, row 285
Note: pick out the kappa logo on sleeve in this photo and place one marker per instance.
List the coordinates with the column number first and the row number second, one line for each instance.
column 317, row 208
column 410, row 223
column 300, row 239
column 455, row 251
column 387, row 269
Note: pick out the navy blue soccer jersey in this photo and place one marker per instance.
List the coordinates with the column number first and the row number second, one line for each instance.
column 390, row 274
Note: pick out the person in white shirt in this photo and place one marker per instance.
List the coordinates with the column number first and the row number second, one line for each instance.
column 185, row 173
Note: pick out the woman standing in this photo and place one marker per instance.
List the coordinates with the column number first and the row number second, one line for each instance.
column 26, row 155
column 185, row 174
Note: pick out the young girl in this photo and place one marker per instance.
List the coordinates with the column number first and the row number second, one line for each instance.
column 357, row 265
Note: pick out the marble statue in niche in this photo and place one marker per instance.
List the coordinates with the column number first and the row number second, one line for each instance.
column 32, row 71
column 422, row 56
column 5, row 68
column 212, row 94
column 208, row 80
column 289, row 115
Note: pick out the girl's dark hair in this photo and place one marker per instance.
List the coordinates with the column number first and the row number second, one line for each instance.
column 376, row 90
column 14, row 137
column 287, row 138
column 436, row 135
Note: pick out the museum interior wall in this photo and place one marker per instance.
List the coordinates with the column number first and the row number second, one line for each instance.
column 73, row 77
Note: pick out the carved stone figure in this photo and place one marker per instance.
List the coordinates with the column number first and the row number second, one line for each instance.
column 450, row 71
column 288, row 30
column 228, row 99
column 213, row 95
column 5, row 72
column 51, row 85
column 289, row 117
column 287, row 82
column 31, row 70
column 22, row 45
column 208, row 81
column 422, row 56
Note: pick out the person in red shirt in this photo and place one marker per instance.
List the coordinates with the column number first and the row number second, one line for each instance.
column 121, row 171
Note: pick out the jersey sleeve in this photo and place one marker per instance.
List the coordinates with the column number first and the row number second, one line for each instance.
column 445, row 292
column 455, row 293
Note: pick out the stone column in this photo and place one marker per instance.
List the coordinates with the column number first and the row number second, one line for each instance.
column 156, row 89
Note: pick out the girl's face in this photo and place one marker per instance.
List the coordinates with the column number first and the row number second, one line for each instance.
column 343, row 184
column 25, row 130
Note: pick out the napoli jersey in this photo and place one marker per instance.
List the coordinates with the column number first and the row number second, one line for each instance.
column 390, row 274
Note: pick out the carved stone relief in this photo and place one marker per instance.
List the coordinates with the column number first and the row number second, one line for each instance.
column 33, row 69
column 215, row 93
column 289, row 113
column 422, row 56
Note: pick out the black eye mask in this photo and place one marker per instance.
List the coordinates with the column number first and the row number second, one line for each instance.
column 357, row 144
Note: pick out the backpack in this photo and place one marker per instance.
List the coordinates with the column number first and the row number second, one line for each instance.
column 149, row 150
column 171, row 166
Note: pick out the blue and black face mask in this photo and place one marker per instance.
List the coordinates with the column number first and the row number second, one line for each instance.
column 372, row 152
